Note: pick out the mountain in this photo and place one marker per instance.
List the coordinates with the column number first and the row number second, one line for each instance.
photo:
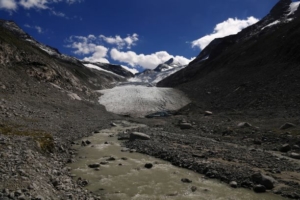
column 110, row 68
column 258, row 68
column 159, row 73
column 22, row 57
column 170, row 64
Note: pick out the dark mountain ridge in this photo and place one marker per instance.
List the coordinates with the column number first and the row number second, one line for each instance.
column 254, row 69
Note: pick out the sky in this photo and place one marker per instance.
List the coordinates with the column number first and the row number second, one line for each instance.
column 138, row 34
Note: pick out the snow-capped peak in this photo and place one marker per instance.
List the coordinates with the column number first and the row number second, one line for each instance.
column 172, row 62
column 293, row 7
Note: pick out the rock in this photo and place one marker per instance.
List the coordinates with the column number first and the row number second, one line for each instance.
column 285, row 148
column 195, row 155
column 87, row 142
column 257, row 142
column 207, row 113
column 39, row 197
column 186, row 180
column 172, row 194
column 22, row 197
column 193, row 188
column 296, row 147
column 148, row 165
column 244, row 125
column 113, row 124
column 182, row 121
column 261, row 179
column 295, row 155
column 139, row 136
column 103, row 163
column 132, row 150
column 287, row 126
column 94, row 165
column 125, row 150
column 185, row 125
column 259, row 188
column 233, row 184
column 123, row 138
column 110, row 159
column 83, row 143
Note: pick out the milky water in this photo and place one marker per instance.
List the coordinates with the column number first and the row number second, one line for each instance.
column 126, row 177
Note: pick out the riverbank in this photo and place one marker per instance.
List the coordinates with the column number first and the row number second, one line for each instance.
column 230, row 147
column 119, row 173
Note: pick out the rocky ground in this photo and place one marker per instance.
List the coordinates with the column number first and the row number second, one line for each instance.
column 234, row 147
column 37, row 127
column 39, row 124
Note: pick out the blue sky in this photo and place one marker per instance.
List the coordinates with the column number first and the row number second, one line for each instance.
column 134, row 33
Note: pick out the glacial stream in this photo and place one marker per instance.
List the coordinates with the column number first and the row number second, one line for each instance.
column 122, row 175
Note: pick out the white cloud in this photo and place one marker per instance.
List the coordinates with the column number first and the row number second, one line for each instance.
column 146, row 61
column 59, row 14
column 36, row 4
column 88, row 46
column 38, row 28
column 8, row 4
column 74, row 1
column 39, row 4
column 229, row 27
column 128, row 41
column 99, row 55
column 132, row 70
column 92, row 49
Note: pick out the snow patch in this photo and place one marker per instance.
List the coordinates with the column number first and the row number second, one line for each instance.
column 271, row 24
column 100, row 69
column 155, row 77
column 138, row 101
column 133, row 71
column 293, row 7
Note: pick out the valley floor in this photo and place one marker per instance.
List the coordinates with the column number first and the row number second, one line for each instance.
column 37, row 130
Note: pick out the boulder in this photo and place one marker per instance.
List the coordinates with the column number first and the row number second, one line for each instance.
column 287, row 126
column 207, row 113
column 295, row 155
column 87, row 142
column 111, row 159
column 261, row 179
column 244, row 125
column 148, row 165
column 233, row 184
column 139, row 136
column 186, row 125
column 186, row 180
column 113, row 124
column 193, row 188
column 259, row 188
column 285, row 148
column 95, row 165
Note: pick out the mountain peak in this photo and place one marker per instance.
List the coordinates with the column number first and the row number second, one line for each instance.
column 281, row 8
column 170, row 61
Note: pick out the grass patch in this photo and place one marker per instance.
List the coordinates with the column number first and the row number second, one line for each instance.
column 45, row 140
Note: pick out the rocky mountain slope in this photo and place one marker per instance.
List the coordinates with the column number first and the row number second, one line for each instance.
column 257, row 68
column 47, row 64
column 115, row 69
column 47, row 100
